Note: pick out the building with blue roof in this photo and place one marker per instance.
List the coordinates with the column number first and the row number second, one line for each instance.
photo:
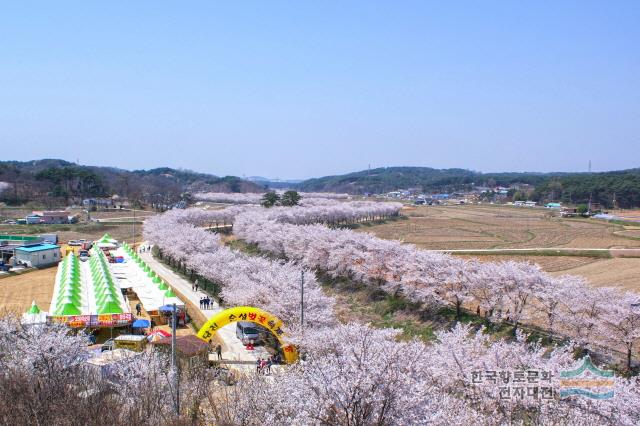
column 38, row 255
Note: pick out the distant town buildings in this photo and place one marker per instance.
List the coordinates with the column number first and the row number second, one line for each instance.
column 50, row 217
column 115, row 202
column 525, row 203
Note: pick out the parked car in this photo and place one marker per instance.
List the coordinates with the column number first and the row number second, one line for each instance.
column 74, row 243
column 247, row 332
column 108, row 345
column 84, row 255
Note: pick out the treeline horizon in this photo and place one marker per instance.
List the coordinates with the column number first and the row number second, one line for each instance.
column 604, row 188
column 52, row 182
column 56, row 182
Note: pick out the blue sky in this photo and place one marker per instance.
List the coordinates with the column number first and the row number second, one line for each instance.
column 303, row 89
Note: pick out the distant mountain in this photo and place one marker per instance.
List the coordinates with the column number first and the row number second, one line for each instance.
column 391, row 178
column 623, row 185
column 56, row 181
column 275, row 183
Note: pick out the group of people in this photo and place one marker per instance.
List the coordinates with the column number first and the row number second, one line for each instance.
column 195, row 286
column 145, row 249
column 263, row 365
column 205, row 302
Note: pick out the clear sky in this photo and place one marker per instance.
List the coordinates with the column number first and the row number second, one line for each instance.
column 301, row 89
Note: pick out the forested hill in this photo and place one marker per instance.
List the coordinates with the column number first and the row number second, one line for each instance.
column 58, row 180
column 428, row 179
column 567, row 187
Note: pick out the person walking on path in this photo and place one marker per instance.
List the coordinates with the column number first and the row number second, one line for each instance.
column 138, row 309
column 219, row 351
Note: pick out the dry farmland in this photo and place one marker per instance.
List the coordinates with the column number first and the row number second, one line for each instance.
column 478, row 227
column 18, row 291
column 493, row 227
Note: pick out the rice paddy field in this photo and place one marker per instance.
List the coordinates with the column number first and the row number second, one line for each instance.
column 491, row 227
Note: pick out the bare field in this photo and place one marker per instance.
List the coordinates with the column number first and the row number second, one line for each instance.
column 115, row 214
column 474, row 227
column 493, row 227
column 18, row 291
column 560, row 264
column 618, row 272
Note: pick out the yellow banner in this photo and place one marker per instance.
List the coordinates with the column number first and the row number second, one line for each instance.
column 251, row 314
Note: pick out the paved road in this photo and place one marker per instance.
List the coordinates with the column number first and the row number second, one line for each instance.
column 122, row 219
column 232, row 348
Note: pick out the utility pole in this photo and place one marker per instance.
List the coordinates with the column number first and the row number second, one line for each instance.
column 174, row 358
column 134, row 227
column 302, row 299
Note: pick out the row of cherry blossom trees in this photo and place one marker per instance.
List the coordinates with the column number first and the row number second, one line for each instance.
column 45, row 379
column 331, row 212
column 207, row 217
column 228, row 197
column 316, row 210
column 253, row 198
column 516, row 292
column 352, row 375
column 357, row 375
column 245, row 280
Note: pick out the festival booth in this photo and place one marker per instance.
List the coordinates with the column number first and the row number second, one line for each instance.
column 107, row 242
column 85, row 294
column 34, row 315
column 133, row 274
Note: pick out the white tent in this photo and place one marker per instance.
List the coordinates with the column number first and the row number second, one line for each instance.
column 131, row 276
column 34, row 315
column 107, row 242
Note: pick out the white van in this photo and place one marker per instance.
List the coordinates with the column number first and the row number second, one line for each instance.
column 247, row 332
